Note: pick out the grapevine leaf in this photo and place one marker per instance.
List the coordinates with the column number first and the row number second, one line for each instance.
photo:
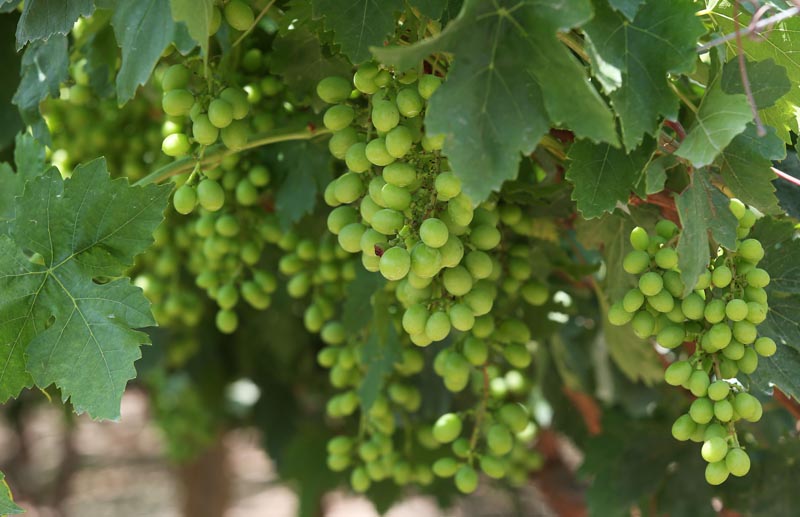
column 604, row 175
column 357, row 311
column 781, row 369
column 358, row 24
column 63, row 321
column 702, row 207
column 430, row 8
column 42, row 19
column 7, row 506
column 143, row 29
column 197, row 15
column 720, row 118
column 10, row 120
column 634, row 356
column 493, row 107
column 627, row 7
column 6, row 6
column 655, row 175
column 29, row 158
column 788, row 193
column 44, row 68
column 746, row 164
column 379, row 354
column 297, row 56
column 768, row 81
column 632, row 59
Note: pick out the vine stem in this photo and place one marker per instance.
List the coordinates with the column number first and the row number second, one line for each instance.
column 218, row 152
column 787, row 177
column 753, row 28
column 473, row 441
column 748, row 91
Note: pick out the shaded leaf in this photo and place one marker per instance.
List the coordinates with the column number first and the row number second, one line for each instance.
column 10, row 120
column 29, row 158
column 358, row 24
column 781, row 369
column 378, row 355
column 42, row 19
column 197, row 15
column 357, row 311
column 768, row 81
column 627, row 7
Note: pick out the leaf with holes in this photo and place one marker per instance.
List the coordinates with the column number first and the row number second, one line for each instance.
column 67, row 313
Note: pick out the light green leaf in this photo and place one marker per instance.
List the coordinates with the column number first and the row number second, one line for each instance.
column 702, row 207
column 634, row 356
column 7, row 506
column 768, row 81
column 197, row 15
column 65, row 320
column 358, row 24
column 43, row 18
column 746, row 164
column 632, row 60
column 44, row 68
column 603, row 175
column 720, row 118
column 143, row 29
column 655, row 175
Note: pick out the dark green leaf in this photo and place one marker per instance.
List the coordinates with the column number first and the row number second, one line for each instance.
column 632, row 60
column 746, row 164
column 7, row 506
column 655, row 175
column 430, row 8
column 6, row 6
column 781, row 257
column 196, row 14
column 781, row 370
column 60, row 326
column 720, row 118
column 627, row 7
column 29, row 158
column 10, row 121
column 378, row 355
column 42, row 19
column 768, row 81
column 702, row 207
column 358, row 24
column 143, row 29
column 604, row 175
column 44, row 68
column 357, row 311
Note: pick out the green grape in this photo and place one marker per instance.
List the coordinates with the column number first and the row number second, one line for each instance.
column 396, row 198
column 349, row 187
column 748, row 220
column 461, row 317
column 210, row 195
column 723, row 411
column 517, row 355
column 744, row 332
column 363, row 79
column 447, row 185
column 466, row 479
column 457, row 281
column 399, row 174
column 716, row 473
column 238, row 100
column 493, row 467
column 535, row 293
column 204, row 132
column 765, row 346
column 480, row 301
column 714, row 449
column 639, row 239
column 227, row 226
column 698, row 436
column 420, row 339
column 235, row 135
column 360, row 480
column 662, row 302
column 643, row 324
column 683, row 428
column 738, row 462
column 227, row 321
column 718, row 390
column 452, row 252
column 673, row 283
column 666, row 229
column 350, row 238
column 399, row 141
column 703, row 281
column 395, row 262
column 714, row 311
column 734, row 350
column 175, row 77
column 377, row 154
column 184, row 199
column 671, row 336
column 338, row 117
column 341, row 141
column 425, row 261
column 341, row 217
column 701, row 410
column 736, row 310
column 678, row 373
column 485, row 237
column 666, row 258
column 427, row 85
column 409, row 102
column 728, row 368
column 636, row 262
column 368, row 208
column 479, row 264
column 617, row 315
column 751, row 250
column 755, row 294
column 475, row 350
column 719, row 335
column 693, row 306
column 239, row 15
column 176, row 144
column 246, row 193
column 757, row 277
column 177, row 103
column 698, row 384
column 433, row 232
column 334, row 89
column 738, row 208
column 370, row 240
column 438, row 326
column 651, row 283
column 220, row 113
column 515, row 416
column 388, row 221
column 460, row 209
column 299, row 285
column 747, row 406
column 499, row 439
column 445, row 467
column 756, row 312
column 447, row 428
column 749, row 361
column 721, row 276
column 385, row 116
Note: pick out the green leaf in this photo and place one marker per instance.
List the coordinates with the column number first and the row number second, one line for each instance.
column 358, row 24
column 430, row 8
column 702, row 207
column 627, row 7
column 378, row 355
column 634, row 356
column 143, row 29
column 29, row 158
column 6, row 6
column 357, row 311
column 7, row 506
column 44, row 68
column 604, row 175
column 63, row 320
column 298, row 57
column 493, row 107
column 768, row 81
column 781, row 369
column 746, row 164
column 196, row 14
column 42, row 19
column 719, row 119
column 10, row 120
column 632, row 60
column 655, row 175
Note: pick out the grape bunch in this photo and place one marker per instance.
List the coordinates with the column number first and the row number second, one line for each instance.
column 719, row 316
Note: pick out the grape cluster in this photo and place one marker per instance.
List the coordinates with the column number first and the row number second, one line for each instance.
column 720, row 315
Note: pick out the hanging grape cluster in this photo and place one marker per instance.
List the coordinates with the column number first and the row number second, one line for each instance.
column 719, row 317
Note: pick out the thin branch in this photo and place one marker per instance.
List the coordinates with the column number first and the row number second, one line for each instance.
column 753, row 28
column 787, row 177
column 748, row 91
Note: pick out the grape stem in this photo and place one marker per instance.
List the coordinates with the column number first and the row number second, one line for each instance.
column 473, row 441
column 787, row 177
column 216, row 153
column 748, row 91
column 753, row 28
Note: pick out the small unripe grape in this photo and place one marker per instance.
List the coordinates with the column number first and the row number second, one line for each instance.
column 666, row 229
column 176, row 77
column 395, row 263
column 447, row 428
column 485, row 237
column 452, row 252
column 239, row 15
column 636, row 262
column 177, row 103
column 210, row 195
column 736, row 310
column 461, row 317
column 765, row 346
column 340, row 217
column 749, row 361
column 693, row 306
column 220, row 113
column 457, row 281
column 227, row 321
column 714, row 449
column 176, row 144
column 399, row 141
column 738, row 462
column 363, row 79
column 238, row 100
column 662, row 302
column 734, row 350
column 536, row 293
column 617, row 315
column 727, row 368
column 671, row 336
column 360, row 480
column 714, row 311
column 737, row 207
column 748, row 220
column 227, row 226
column 719, row 335
column 698, row 384
column 716, row 473
column 246, row 193
column 396, row 198
column 409, row 102
column 447, row 185
column 334, row 89
column 433, row 232
column 204, row 132
column 184, row 200
column 476, row 351
column 744, row 332
column 651, row 283
column 639, row 239
column 460, row 209
column 466, row 479
column 427, row 85
column 723, row 411
column 341, row 141
column 683, row 428
column 751, row 250
column 758, row 277
column 746, row 405
column 388, row 221
column 338, row 117
column 350, row 237
column 678, row 373
column 385, row 116
column 399, row 174
column 666, row 258
column 235, row 135
column 425, row 261
column 377, row 154
column 756, row 312
column 718, row 390
column 480, row 301
column 701, row 410
column 349, row 187
column 479, row 264
column 445, row 467
column 438, row 326
column 721, row 276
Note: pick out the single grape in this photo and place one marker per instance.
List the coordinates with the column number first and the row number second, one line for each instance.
column 643, row 324
column 349, row 187
column 535, row 293
column 466, row 479
column 184, row 199
column 666, row 258
column 227, row 321
column 693, row 306
column 714, row 311
column 476, row 351
column 683, row 428
column 461, row 317
column 239, row 15
column 666, row 229
column 617, row 315
column 341, row 217
column 749, row 361
column 499, row 439
column 425, row 261
column 388, row 222
column 447, row 185
column 237, row 98
column 747, row 406
column 671, row 336
column 457, row 281
column 395, row 263
column 204, row 132
column 176, row 144
column 445, row 467
column 177, row 103
column 433, row 232
column 235, row 135
column 701, row 410
column 639, row 239
column 447, row 428
column 744, row 332
column 714, row 449
column 175, row 77
column 385, row 116
column 399, row 141
column 360, row 480
column 736, row 310
column 734, row 350
column 718, row 390
column 350, row 239
column 721, row 276
column 636, row 262
column 751, row 250
column 662, row 302
column 765, row 346
column 396, row 198
column 334, row 89
column 210, row 195
column 716, row 473
column 452, row 252
column 738, row 208
column 377, row 154
column 651, row 283
column 738, row 462
column 698, row 384
column 673, row 283
column 220, row 113
column 678, row 373
column 723, row 411
column 427, row 85
column 758, row 277
column 338, row 117
column 756, row 312
column 438, row 326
